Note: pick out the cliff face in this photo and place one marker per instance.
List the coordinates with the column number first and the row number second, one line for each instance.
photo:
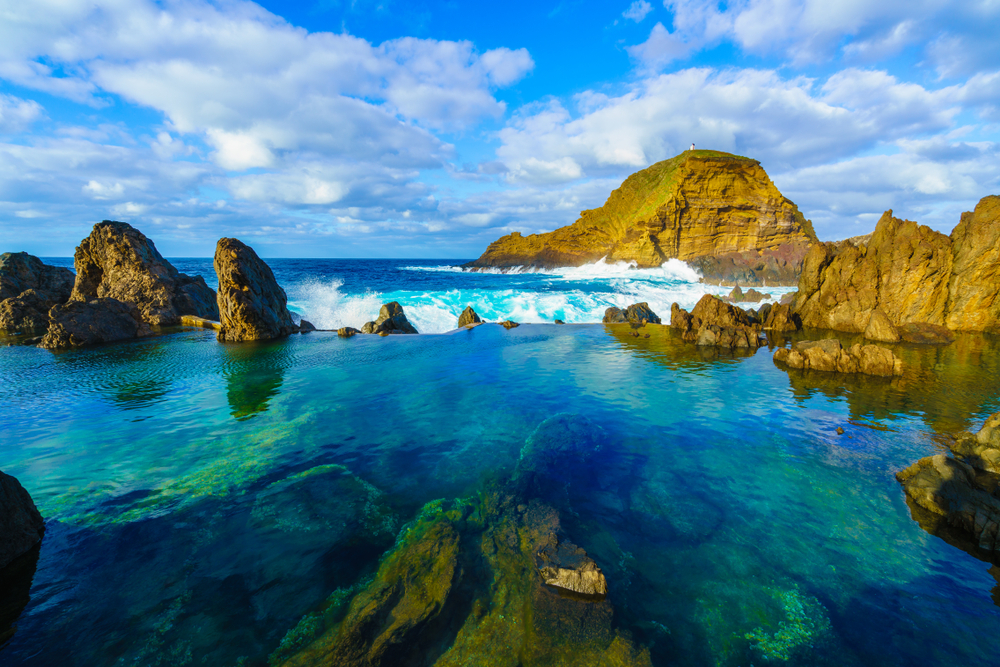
column 718, row 211
column 909, row 272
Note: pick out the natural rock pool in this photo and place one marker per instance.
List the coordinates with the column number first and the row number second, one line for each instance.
column 224, row 505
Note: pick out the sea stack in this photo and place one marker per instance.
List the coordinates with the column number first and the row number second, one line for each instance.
column 252, row 306
column 718, row 212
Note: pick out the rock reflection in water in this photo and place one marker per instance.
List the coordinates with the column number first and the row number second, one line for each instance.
column 15, row 589
column 254, row 374
column 664, row 346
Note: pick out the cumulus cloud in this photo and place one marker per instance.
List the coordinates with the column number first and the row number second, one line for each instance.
column 17, row 114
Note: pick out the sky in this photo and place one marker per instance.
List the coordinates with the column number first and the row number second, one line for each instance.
column 426, row 129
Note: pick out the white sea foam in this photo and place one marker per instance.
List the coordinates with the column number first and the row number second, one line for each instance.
column 326, row 307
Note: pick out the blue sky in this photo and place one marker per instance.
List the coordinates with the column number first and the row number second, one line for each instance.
column 331, row 128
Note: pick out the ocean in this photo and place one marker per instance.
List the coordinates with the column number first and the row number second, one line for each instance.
column 218, row 504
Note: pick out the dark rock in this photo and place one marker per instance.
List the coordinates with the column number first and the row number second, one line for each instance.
column 347, row 332
column 305, row 326
column 252, row 306
column 614, row 315
column 119, row 262
column 840, row 430
column 509, row 324
column 925, row 333
column 764, row 311
column 391, row 320
column 103, row 320
column 468, row 317
column 828, row 355
column 21, row 525
column 28, row 289
column 558, row 322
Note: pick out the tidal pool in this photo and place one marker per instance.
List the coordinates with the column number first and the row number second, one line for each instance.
column 211, row 504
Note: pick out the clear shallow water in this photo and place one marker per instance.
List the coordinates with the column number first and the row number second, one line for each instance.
column 201, row 498
column 332, row 293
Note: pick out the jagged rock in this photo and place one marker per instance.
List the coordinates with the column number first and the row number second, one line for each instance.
column 736, row 295
column 911, row 273
column 881, row 329
column 764, row 311
column 28, row 289
column 719, row 212
column 558, row 322
column 391, row 320
column 103, row 320
column 509, row 324
column 614, row 315
column 750, row 296
column 468, row 317
column 118, row 261
column 788, row 299
column 637, row 313
column 566, row 566
column 305, row 326
column 347, row 332
column 252, row 306
column 781, row 318
column 715, row 323
column 828, row 355
column 21, row 525
column 925, row 333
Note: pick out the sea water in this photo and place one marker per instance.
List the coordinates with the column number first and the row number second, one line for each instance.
column 202, row 499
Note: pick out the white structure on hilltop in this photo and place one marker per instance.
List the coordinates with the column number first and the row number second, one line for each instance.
column 692, row 147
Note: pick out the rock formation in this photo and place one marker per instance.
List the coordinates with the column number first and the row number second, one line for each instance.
column 910, row 274
column 961, row 488
column 715, row 323
column 21, row 525
column 637, row 313
column 347, row 332
column 830, row 356
column 566, row 566
column 750, row 296
column 28, row 289
column 252, row 306
column 468, row 316
column 509, row 324
column 391, row 320
column 718, row 212
column 117, row 261
column 880, row 328
column 779, row 318
column 103, row 320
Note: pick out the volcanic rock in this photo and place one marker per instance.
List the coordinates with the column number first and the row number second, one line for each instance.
column 828, row 355
column 719, row 212
column 509, row 324
column 637, row 313
column 468, row 317
column 252, row 306
column 880, row 328
column 715, row 323
column 391, row 320
column 614, row 315
column 117, row 261
column 305, row 326
column 28, row 289
column 779, row 318
column 21, row 525
column 974, row 301
column 103, row 320
column 347, row 332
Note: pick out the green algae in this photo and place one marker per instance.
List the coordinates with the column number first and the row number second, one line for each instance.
column 805, row 622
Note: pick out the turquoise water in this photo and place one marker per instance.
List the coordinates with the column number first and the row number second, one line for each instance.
column 201, row 499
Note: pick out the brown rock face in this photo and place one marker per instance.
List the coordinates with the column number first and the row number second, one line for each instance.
column 781, row 318
column 715, row 323
column 909, row 272
column 720, row 212
column 829, row 356
column 28, row 288
column 80, row 323
column 117, row 261
column 252, row 306
column 468, row 316
column 880, row 328
column 637, row 313
column 21, row 525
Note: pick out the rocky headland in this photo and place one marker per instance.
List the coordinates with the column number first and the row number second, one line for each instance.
column 718, row 212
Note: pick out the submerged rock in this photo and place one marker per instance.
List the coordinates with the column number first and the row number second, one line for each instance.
column 252, row 306
column 468, row 317
column 391, row 320
column 103, row 320
column 830, row 356
column 28, row 289
column 925, row 333
column 566, row 566
column 21, row 525
column 118, row 261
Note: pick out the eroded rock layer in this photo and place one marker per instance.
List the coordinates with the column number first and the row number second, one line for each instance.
column 720, row 212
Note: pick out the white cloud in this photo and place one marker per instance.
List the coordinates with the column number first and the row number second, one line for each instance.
column 17, row 114
column 100, row 190
column 638, row 10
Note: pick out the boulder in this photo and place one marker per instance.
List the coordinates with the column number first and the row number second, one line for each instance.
column 509, row 324
column 252, row 306
column 614, row 315
column 28, row 289
column 780, row 318
column 829, row 356
column 736, row 296
column 21, row 525
column 305, row 326
column 982, row 451
column 117, row 261
column 468, row 317
column 881, row 329
column 715, row 323
column 925, row 333
column 391, row 320
column 347, row 332
column 637, row 313
column 764, row 311
column 101, row 320
column 565, row 566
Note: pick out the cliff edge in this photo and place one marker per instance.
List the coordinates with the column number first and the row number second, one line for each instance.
column 718, row 212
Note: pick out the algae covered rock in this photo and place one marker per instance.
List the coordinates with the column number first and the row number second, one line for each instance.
column 468, row 316
column 252, row 306
column 717, row 211
column 391, row 320
column 28, row 289
column 102, row 320
column 21, row 525
column 118, row 261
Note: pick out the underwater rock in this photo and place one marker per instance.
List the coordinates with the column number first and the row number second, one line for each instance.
column 468, row 317
column 252, row 306
column 391, row 320
column 21, row 525
column 566, row 566
column 28, row 289
column 715, row 323
column 925, row 333
column 881, row 329
column 828, row 355
column 718, row 212
column 119, row 262
column 103, row 320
